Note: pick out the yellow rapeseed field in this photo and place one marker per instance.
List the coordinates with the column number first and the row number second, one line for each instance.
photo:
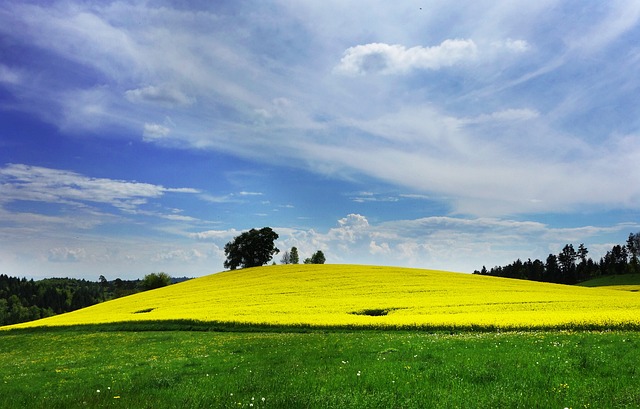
column 355, row 295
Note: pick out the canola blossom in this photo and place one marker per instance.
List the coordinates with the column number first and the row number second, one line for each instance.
column 366, row 296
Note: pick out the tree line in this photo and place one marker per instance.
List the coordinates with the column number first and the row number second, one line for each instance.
column 573, row 265
column 24, row 300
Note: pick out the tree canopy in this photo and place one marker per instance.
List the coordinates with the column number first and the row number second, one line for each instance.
column 293, row 256
column 251, row 249
column 571, row 266
column 290, row 257
column 316, row 258
column 155, row 280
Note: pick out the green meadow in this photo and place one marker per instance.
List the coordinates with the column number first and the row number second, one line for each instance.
column 110, row 367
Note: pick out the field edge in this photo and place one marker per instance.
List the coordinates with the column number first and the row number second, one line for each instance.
column 219, row 326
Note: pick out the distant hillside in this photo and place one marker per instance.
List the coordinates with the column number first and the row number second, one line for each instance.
column 624, row 282
column 366, row 296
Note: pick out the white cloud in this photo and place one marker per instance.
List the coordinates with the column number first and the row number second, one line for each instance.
column 382, row 248
column 507, row 115
column 180, row 255
column 216, row 235
column 351, row 229
column 368, row 197
column 154, row 132
column 163, row 95
column 9, row 75
column 397, row 59
column 518, row 46
column 33, row 183
column 66, row 255
column 84, row 109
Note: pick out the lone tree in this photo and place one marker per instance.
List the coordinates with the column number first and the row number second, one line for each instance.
column 293, row 256
column 251, row 249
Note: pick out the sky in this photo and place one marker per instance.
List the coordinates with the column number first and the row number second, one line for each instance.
column 142, row 136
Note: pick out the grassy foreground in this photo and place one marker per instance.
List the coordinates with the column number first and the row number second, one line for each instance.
column 350, row 296
column 69, row 368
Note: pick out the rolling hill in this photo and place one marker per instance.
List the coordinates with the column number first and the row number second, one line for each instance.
column 366, row 296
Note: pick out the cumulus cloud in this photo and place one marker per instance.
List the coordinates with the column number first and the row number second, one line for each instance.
column 397, row 59
column 66, row 255
column 351, row 228
column 382, row 248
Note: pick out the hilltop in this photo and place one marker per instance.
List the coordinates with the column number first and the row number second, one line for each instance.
column 365, row 296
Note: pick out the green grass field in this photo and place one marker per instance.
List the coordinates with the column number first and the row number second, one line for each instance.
column 69, row 368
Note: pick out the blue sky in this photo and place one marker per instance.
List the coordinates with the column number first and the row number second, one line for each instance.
column 138, row 137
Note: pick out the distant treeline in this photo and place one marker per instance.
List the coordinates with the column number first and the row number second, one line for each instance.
column 24, row 300
column 572, row 266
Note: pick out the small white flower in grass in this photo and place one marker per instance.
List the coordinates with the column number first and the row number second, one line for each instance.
column 263, row 399
column 98, row 390
column 358, row 374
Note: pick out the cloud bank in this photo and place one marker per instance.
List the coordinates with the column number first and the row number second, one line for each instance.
column 498, row 112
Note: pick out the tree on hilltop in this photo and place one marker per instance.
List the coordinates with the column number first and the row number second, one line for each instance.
column 317, row 258
column 290, row 257
column 286, row 257
column 633, row 249
column 293, row 256
column 251, row 249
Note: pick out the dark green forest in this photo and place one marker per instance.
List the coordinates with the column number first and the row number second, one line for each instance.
column 572, row 266
column 24, row 300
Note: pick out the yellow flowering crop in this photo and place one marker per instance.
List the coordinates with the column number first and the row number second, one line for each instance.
column 353, row 295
